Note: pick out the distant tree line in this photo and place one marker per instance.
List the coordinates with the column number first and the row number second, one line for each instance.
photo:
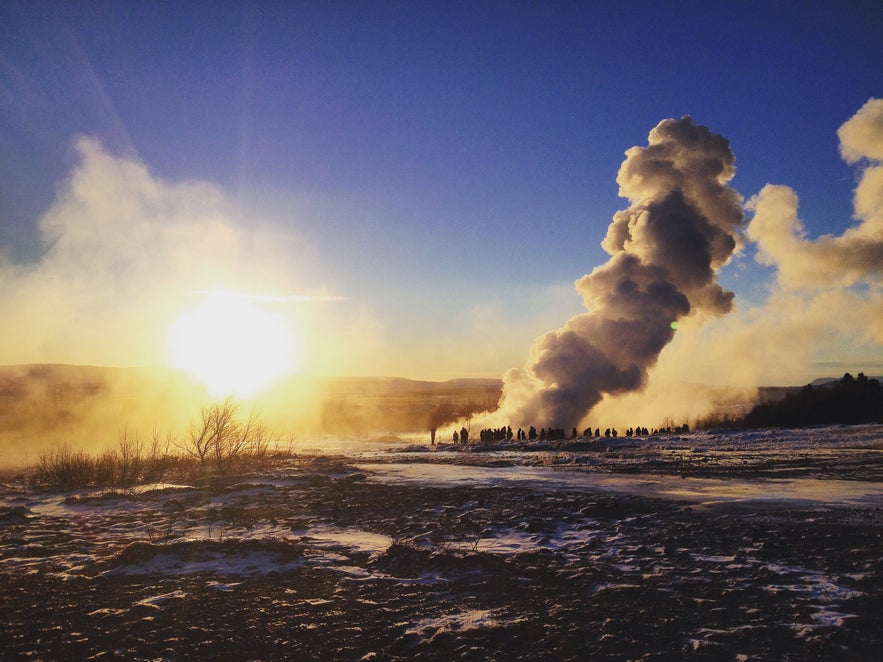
column 850, row 401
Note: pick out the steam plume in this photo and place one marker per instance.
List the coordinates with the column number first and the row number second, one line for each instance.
column 681, row 227
column 120, row 247
column 823, row 315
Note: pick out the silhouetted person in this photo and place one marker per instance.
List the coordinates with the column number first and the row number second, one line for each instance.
column 432, row 436
column 456, row 437
column 464, row 436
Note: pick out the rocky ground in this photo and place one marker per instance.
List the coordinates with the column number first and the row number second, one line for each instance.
column 314, row 559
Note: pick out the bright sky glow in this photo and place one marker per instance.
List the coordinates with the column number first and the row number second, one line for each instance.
column 232, row 345
column 422, row 181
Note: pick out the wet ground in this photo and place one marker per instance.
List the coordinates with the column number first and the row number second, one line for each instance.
column 360, row 558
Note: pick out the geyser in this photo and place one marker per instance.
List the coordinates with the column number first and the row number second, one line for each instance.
column 682, row 225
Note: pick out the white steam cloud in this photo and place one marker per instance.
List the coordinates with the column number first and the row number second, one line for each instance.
column 125, row 253
column 121, row 250
column 621, row 364
column 840, row 277
column 681, row 227
column 847, row 259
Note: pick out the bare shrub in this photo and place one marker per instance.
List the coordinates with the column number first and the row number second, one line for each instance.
column 130, row 453
column 63, row 468
column 106, row 468
column 256, row 440
column 158, row 456
column 198, row 442
column 221, row 437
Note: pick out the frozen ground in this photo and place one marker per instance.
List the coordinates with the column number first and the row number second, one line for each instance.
column 761, row 545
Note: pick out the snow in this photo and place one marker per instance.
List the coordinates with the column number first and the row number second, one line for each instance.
column 160, row 601
column 255, row 529
column 706, row 491
column 459, row 621
column 350, row 538
column 242, row 565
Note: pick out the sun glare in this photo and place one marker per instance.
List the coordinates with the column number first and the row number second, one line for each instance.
column 233, row 345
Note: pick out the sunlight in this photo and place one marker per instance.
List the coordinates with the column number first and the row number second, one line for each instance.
column 233, row 345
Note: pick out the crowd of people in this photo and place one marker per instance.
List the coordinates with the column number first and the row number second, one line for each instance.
column 506, row 433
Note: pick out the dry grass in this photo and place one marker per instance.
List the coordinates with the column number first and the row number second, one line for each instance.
column 221, row 443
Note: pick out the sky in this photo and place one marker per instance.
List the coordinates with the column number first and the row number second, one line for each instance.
column 415, row 187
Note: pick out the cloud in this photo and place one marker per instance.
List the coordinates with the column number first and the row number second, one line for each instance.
column 836, row 279
column 123, row 251
column 852, row 257
column 861, row 137
column 682, row 225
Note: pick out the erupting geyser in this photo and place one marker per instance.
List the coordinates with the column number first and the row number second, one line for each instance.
column 681, row 227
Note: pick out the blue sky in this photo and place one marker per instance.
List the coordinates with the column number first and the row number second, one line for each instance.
column 431, row 160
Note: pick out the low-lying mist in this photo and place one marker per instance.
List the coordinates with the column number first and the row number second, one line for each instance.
column 90, row 407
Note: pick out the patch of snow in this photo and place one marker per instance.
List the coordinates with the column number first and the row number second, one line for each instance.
column 813, row 583
column 224, row 587
column 153, row 488
column 460, row 621
column 827, row 617
column 713, row 559
column 248, row 564
column 160, row 601
column 107, row 611
column 350, row 538
column 352, row 572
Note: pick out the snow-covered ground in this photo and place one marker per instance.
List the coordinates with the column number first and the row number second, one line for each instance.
column 704, row 491
column 754, row 544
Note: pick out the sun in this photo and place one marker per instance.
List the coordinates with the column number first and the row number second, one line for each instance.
column 233, row 344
